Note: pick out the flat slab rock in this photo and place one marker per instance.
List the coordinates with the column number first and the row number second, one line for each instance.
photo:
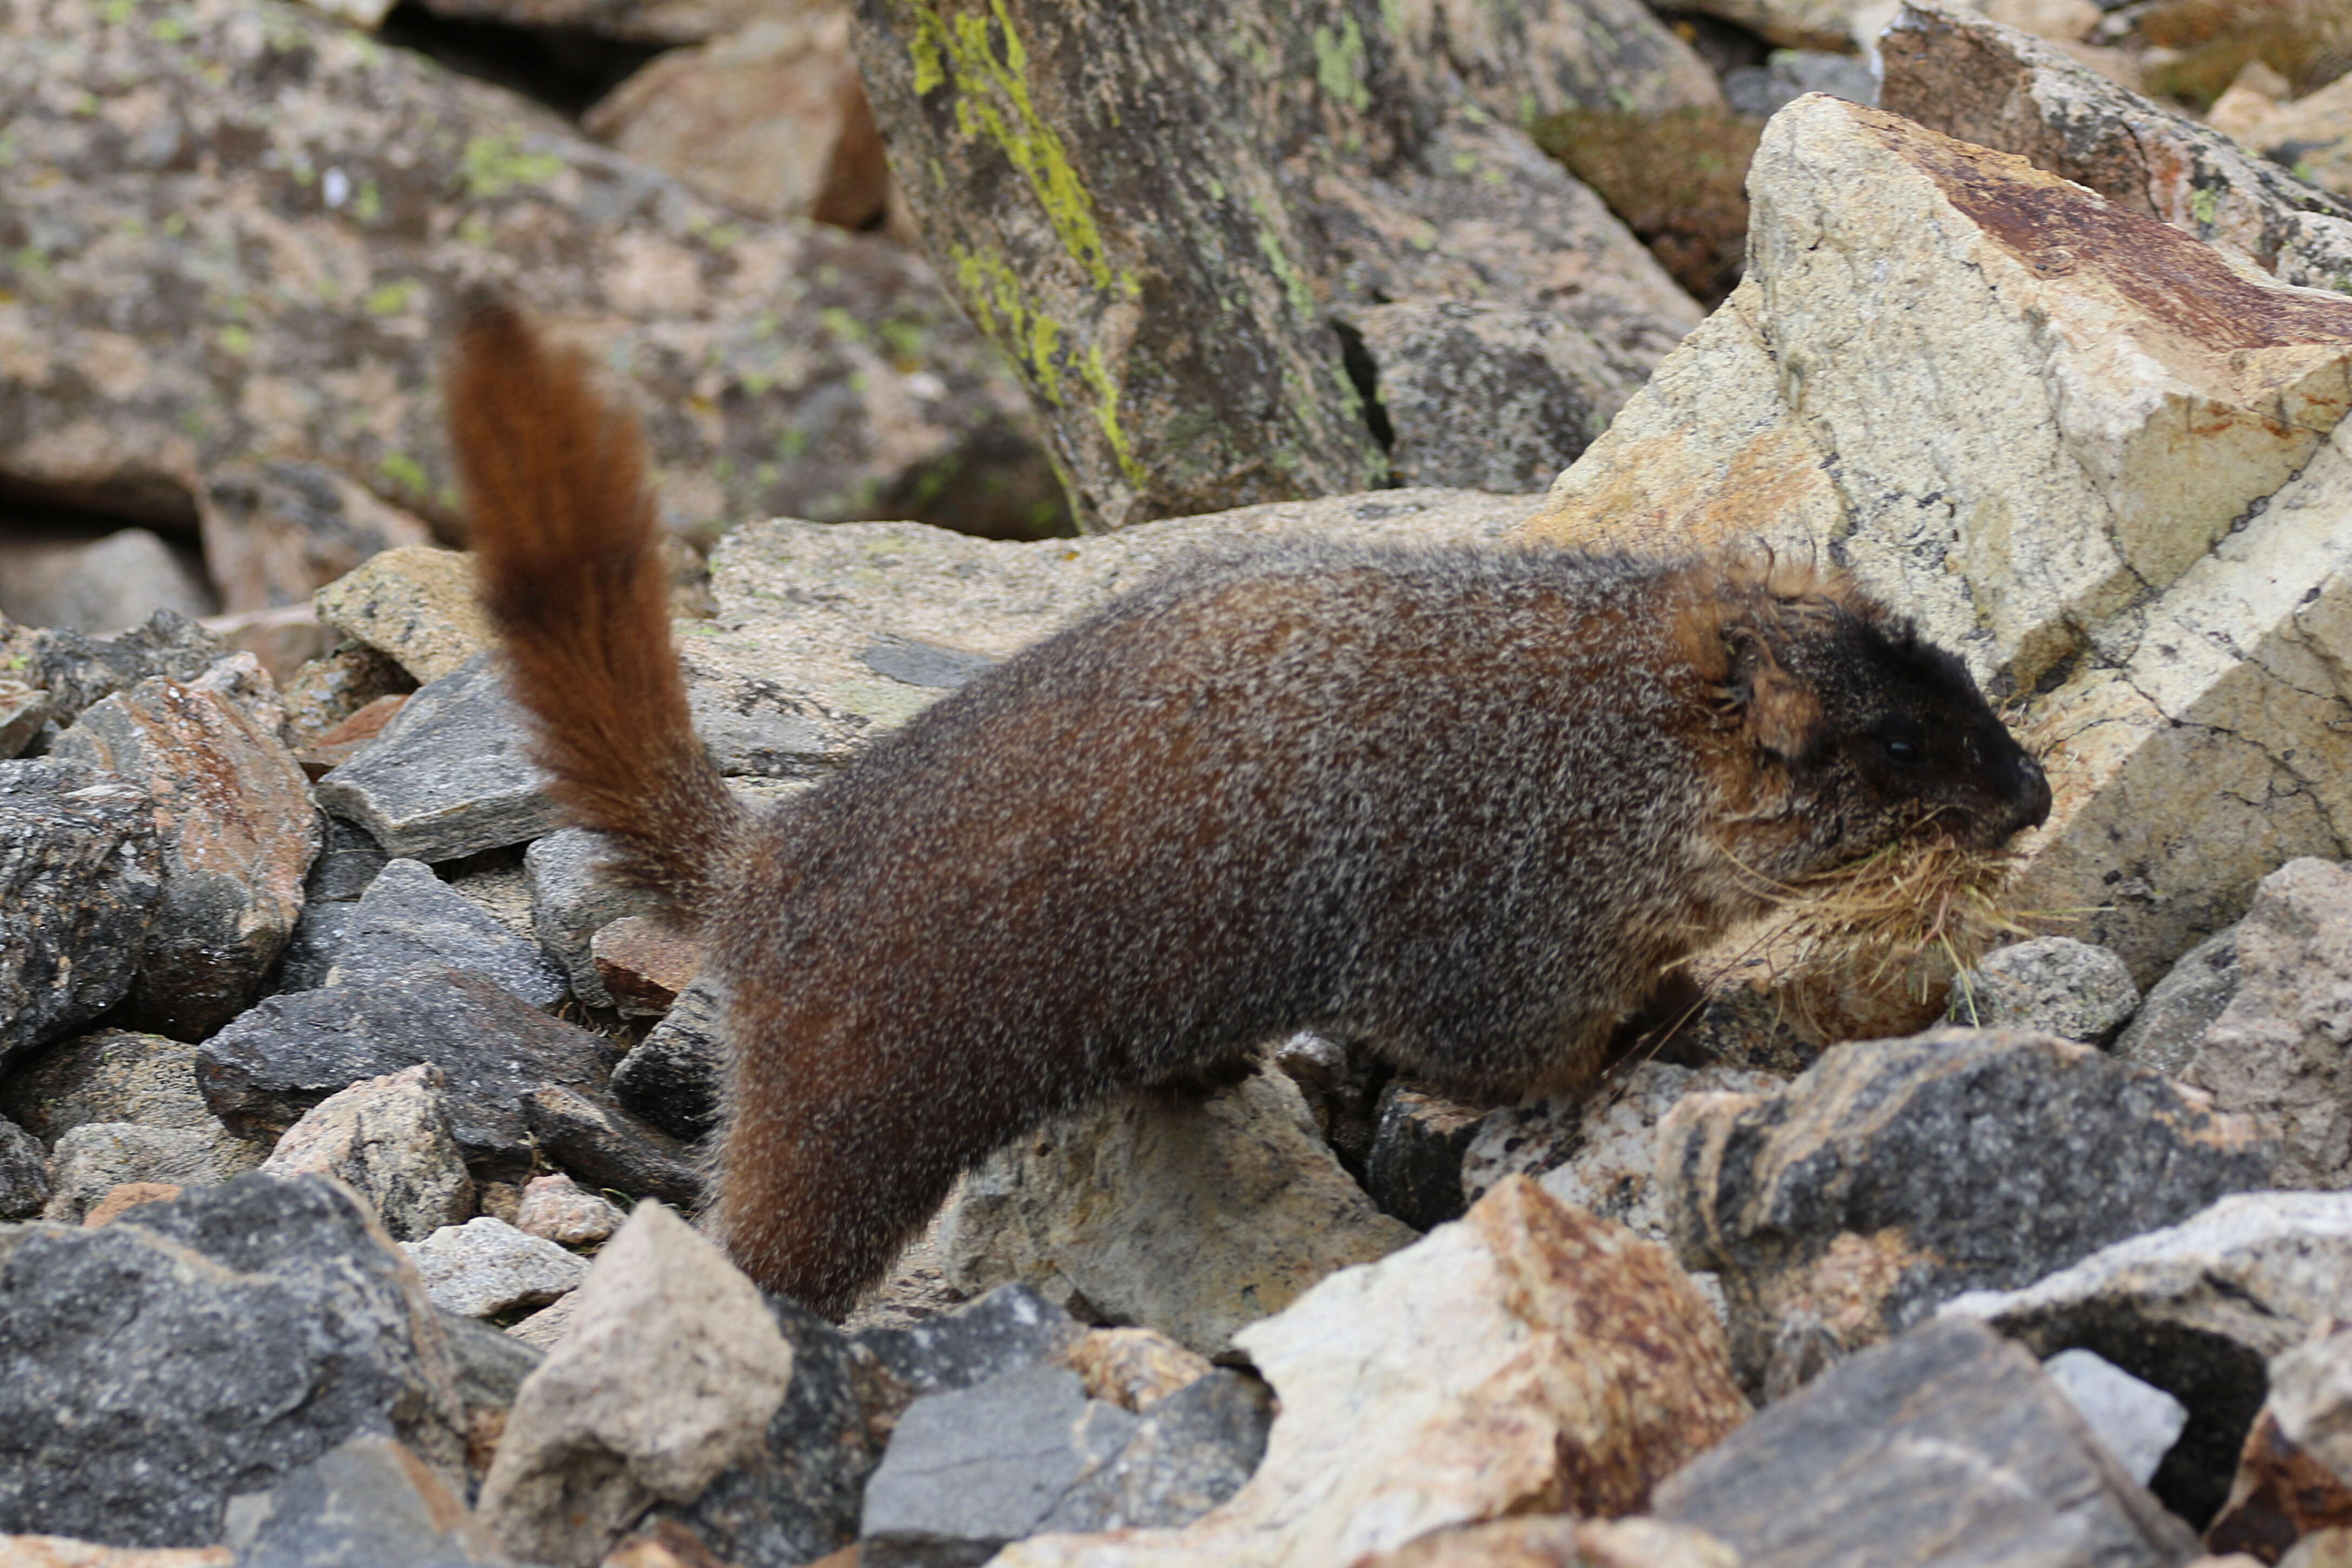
column 80, row 878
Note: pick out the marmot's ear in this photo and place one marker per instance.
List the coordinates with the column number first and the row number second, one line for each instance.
column 1776, row 709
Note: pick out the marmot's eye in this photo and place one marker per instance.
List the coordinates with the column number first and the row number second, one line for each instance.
column 1903, row 752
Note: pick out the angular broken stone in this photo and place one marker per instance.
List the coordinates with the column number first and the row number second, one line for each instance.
column 450, row 775
column 606, row 1147
column 562, row 1211
column 2137, row 1421
column 77, row 670
column 205, row 1347
column 1418, row 1140
column 234, row 823
column 409, row 920
column 24, row 1173
column 485, row 1267
column 1948, row 1434
column 2053, row 985
column 80, row 875
column 387, row 1138
column 572, row 900
column 2177, row 1010
column 1897, row 1174
column 415, row 605
column 2294, row 1475
column 673, row 1077
column 275, row 532
column 23, row 710
column 96, row 1158
column 644, row 963
column 367, row 1503
column 281, row 1058
column 1196, row 1217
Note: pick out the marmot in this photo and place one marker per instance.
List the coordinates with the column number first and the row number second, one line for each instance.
column 1465, row 805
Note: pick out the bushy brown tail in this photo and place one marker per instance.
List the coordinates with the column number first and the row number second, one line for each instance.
column 564, row 536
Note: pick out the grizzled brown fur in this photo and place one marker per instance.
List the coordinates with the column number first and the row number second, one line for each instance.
column 1465, row 805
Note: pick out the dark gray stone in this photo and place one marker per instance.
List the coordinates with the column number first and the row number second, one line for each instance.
column 1788, row 75
column 674, row 1077
column 2178, row 1008
column 151, row 1368
column 1946, row 1446
column 410, row 921
column 77, row 670
column 108, row 1075
column 449, row 775
column 570, row 900
column 2055, row 984
column 1010, row 1327
column 367, row 1503
column 601, row 1145
column 80, row 878
column 968, row 1472
column 490, row 1362
column 919, row 663
column 311, row 950
column 24, row 1173
column 284, row 1056
column 1191, row 1452
column 1418, row 1141
column 349, row 858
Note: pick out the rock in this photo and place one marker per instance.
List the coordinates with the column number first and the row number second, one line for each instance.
column 1788, row 75
column 59, row 1552
column 281, row 1058
column 76, row 670
column 672, row 1077
column 570, row 900
column 486, row 1268
column 644, row 963
column 2172, row 641
column 772, row 119
column 1609, row 1365
column 1969, row 77
column 544, row 1328
column 2294, row 1475
column 129, row 1196
column 1547, row 1541
column 1946, row 1434
column 449, row 775
column 2178, row 1009
column 276, row 532
column 348, row 864
column 2137, row 1421
column 606, row 1147
column 670, row 1375
column 1006, row 1331
column 338, row 744
column 2197, row 1310
column 367, row 1503
column 1415, row 1169
column 207, row 1346
column 96, row 1158
column 563, row 1212
column 1816, row 25
column 1049, row 212
column 80, row 875
column 2052, row 983
column 112, row 1074
column 1895, row 1175
column 1191, row 1452
column 234, row 824
column 24, row 1173
column 388, row 1139
column 783, row 368
column 337, row 684
column 99, row 585
column 1195, row 1216
column 491, row 1364
column 2279, row 1051
column 410, row 921
column 310, row 953
column 23, row 710
column 414, row 605
column 2312, row 136
column 1134, row 1369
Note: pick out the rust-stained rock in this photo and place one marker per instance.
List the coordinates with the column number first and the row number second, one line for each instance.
column 1897, row 1174
column 244, row 234
column 644, row 963
column 1558, row 1540
column 1171, row 298
column 1529, row 1359
column 1969, row 77
column 274, row 532
column 234, row 818
column 2118, row 478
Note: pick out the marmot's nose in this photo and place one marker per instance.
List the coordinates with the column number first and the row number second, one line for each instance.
column 2028, row 794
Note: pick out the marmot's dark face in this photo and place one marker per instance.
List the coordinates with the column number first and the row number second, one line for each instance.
column 1906, row 744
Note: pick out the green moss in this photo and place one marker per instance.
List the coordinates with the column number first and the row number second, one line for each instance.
column 1294, row 287
column 114, row 12
column 168, row 29
column 843, row 325
column 492, row 165
column 2203, row 203
column 1106, row 390
column 391, row 299
column 1340, row 65
column 1004, row 312
column 236, row 339
column 406, row 472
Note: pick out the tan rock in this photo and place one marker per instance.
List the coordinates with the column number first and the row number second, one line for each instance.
column 276, row 532
column 57, row 1552
column 1795, row 24
column 415, row 604
column 388, row 1139
column 1529, row 1359
column 2312, row 135
column 1556, row 1541
column 639, row 21
column 2252, row 100
column 644, row 963
column 2059, row 21
column 1134, row 1369
column 121, row 1200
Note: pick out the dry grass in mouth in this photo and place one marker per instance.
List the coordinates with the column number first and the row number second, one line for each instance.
column 1914, row 913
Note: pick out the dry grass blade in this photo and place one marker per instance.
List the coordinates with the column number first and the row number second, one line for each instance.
column 1918, row 912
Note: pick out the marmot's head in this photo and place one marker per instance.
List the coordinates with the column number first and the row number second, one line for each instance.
column 1880, row 735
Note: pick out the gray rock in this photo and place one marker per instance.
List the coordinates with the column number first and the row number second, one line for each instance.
column 311, row 951
column 274, row 532
column 2178, row 1009
column 1788, row 75
column 349, row 860
column 151, row 1368
column 968, row 1472
column 2052, row 983
column 2282, row 1049
column 485, row 1267
column 409, row 920
column 491, row 1363
column 566, row 1213
column 237, row 833
column 919, row 663
column 1010, row 1327
column 1945, row 1446
column 99, row 584
column 24, row 709
column 80, row 875
column 605, row 1146
column 366, row 1503
column 1897, row 1174
column 95, row 1157
column 281, row 1058
column 674, row 1078
column 24, row 1173
column 388, row 1139
column 670, row 1375
column 2197, row 1309
column 571, row 901
column 1191, row 1451
column 77, row 670
column 1418, row 1140
column 2137, row 1421
column 109, row 1075
column 449, row 775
